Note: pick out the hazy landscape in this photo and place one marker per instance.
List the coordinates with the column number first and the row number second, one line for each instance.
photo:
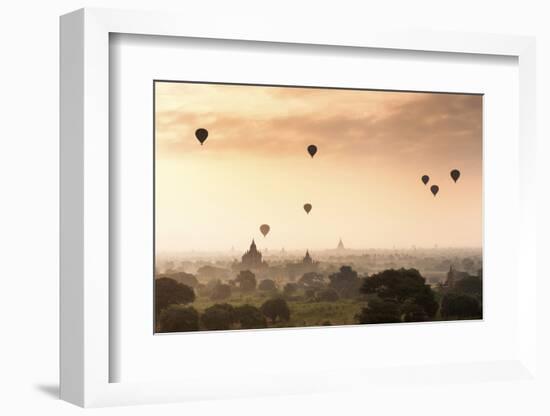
column 290, row 207
column 332, row 289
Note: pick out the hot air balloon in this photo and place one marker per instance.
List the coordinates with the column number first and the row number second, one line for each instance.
column 455, row 174
column 307, row 208
column 434, row 189
column 425, row 179
column 264, row 229
column 201, row 135
column 312, row 149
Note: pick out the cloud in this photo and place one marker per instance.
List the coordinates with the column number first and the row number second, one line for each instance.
column 341, row 123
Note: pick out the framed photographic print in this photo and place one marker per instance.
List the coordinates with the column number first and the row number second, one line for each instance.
column 270, row 212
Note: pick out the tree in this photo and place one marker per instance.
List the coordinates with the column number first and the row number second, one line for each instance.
column 267, row 285
column 203, row 290
column 184, row 278
column 412, row 312
column 206, row 290
column 425, row 298
column 218, row 317
column 311, row 280
column 169, row 292
column 250, row 317
column 220, row 291
column 176, row 318
column 457, row 306
column 246, row 281
column 276, row 309
column 345, row 282
column 309, row 293
column 471, row 286
column 328, row 295
column 208, row 272
column 403, row 285
column 380, row 312
column 290, row 289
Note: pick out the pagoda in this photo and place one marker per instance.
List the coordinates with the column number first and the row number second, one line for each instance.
column 252, row 259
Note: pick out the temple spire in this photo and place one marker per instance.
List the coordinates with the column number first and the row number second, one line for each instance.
column 252, row 258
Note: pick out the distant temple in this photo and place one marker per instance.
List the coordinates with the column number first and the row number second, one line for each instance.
column 340, row 245
column 296, row 270
column 454, row 276
column 252, row 259
column 307, row 259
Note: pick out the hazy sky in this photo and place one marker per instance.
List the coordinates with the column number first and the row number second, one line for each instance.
column 364, row 182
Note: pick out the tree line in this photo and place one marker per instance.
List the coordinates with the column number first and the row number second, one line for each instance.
column 393, row 295
column 173, row 314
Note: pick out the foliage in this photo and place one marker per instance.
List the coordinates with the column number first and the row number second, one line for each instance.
column 218, row 317
column 169, row 292
column 246, row 280
column 206, row 289
column 309, row 293
column 401, row 286
column 290, row 289
column 177, row 318
column 471, row 286
column 328, row 295
column 220, row 291
column 309, row 313
column 457, row 306
column 202, row 290
column 392, row 296
column 425, row 298
column 311, row 280
column 380, row 311
column 184, row 278
column 267, row 285
column 345, row 282
column 208, row 272
column 412, row 312
column 250, row 317
column 276, row 309
column 303, row 312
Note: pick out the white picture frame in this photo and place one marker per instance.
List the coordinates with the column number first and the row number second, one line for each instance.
column 85, row 220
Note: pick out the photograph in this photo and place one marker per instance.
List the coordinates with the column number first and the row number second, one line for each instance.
column 280, row 206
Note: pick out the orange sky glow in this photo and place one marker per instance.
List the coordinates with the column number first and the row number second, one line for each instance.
column 363, row 183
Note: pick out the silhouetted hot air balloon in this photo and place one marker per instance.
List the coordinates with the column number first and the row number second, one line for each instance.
column 425, row 179
column 312, row 149
column 455, row 174
column 307, row 208
column 434, row 189
column 264, row 228
column 201, row 135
